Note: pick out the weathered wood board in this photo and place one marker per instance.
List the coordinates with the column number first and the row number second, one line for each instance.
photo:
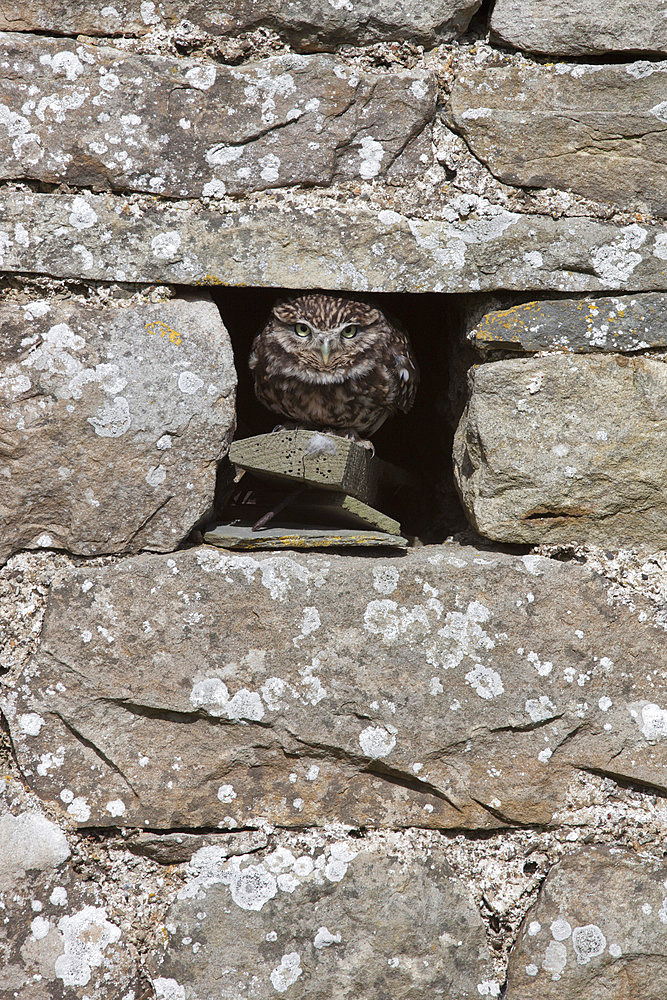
column 321, row 506
column 313, row 458
column 235, row 536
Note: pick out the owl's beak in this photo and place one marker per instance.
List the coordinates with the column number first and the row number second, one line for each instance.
column 325, row 348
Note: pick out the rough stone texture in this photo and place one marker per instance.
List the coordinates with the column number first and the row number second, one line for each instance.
column 56, row 936
column 579, row 28
column 308, row 24
column 596, row 932
column 175, row 848
column 105, row 237
column 444, row 688
column 597, row 130
column 345, row 919
column 541, row 457
column 624, row 323
column 113, row 423
column 99, row 117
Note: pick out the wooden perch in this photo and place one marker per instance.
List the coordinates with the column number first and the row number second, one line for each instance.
column 323, row 461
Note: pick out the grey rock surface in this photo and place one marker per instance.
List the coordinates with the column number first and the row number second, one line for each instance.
column 58, row 937
column 597, row 931
column 566, row 449
column 598, row 130
column 113, row 421
column 175, row 848
column 579, row 28
column 623, row 323
column 444, row 688
column 307, row 24
column 477, row 246
column 343, row 919
column 108, row 119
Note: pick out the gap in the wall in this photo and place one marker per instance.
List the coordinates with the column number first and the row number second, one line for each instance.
column 420, row 441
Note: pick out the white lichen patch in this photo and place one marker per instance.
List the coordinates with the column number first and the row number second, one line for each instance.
column 588, row 943
column 278, row 574
column 29, row 842
column 287, row 973
column 167, row 988
column 652, row 720
column 555, row 958
column 540, row 709
column 86, row 935
column 324, row 938
column 376, row 742
column 212, row 695
column 385, row 579
column 485, row 681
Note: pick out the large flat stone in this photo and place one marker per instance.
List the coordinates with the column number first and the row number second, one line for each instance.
column 104, row 118
column 308, row 24
column 59, row 937
column 566, row 449
column 597, row 931
column 579, row 28
column 597, row 130
column 624, row 323
column 338, row 918
column 114, row 421
column 443, row 688
column 352, row 248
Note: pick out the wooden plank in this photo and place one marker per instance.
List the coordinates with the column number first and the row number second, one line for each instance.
column 324, row 461
column 319, row 506
column 236, row 536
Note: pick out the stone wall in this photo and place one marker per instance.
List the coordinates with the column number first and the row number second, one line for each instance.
column 439, row 774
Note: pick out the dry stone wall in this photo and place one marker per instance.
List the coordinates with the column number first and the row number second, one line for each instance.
column 440, row 774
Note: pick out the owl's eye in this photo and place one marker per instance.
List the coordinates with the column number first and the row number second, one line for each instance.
column 301, row 329
column 350, row 331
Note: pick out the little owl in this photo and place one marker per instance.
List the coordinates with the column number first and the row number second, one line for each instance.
column 333, row 363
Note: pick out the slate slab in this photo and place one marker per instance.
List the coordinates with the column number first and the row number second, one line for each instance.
column 596, row 931
column 579, row 28
column 308, row 24
column 623, row 323
column 293, row 536
column 599, row 130
column 104, row 118
column 114, row 420
column 102, row 237
column 342, row 918
column 58, row 937
column 566, row 449
column 443, row 688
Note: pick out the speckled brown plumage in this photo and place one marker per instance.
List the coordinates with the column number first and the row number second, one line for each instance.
column 331, row 376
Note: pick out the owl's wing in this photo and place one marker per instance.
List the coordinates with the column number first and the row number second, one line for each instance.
column 407, row 372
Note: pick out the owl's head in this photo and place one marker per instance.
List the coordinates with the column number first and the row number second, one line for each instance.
column 327, row 335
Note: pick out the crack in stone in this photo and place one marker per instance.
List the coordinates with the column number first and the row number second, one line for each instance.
column 80, row 738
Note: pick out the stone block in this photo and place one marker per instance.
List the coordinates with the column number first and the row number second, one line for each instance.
column 623, row 323
column 336, row 918
column 307, row 24
column 566, row 449
column 109, row 119
column 597, row 931
column 59, row 937
column 579, row 28
column 114, row 420
column 355, row 248
column 443, row 688
column 598, row 130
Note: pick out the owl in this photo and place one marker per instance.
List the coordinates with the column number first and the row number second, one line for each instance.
column 333, row 363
